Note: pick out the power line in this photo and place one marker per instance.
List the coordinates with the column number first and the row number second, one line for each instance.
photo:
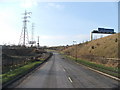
column 32, row 36
column 24, row 34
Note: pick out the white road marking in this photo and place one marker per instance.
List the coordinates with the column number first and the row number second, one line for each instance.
column 104, row 74
column 64, row 70
column 100, row 72
column 70, row 79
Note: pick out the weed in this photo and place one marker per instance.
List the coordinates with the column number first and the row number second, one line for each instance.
column 12, row 74
column 109, row 70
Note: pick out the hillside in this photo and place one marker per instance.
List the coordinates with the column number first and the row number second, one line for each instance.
column 96, row 50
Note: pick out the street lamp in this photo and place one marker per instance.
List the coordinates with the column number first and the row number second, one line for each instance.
column 76, row 50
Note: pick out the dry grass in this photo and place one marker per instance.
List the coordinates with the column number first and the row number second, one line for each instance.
column 103, row 47
column 97, row 50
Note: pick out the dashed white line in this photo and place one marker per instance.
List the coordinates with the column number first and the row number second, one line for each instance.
column 70, row 79
column 64, row 70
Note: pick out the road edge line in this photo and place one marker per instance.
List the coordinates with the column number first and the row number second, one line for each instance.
column 101, row 72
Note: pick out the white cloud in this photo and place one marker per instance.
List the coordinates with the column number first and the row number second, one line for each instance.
column 8, row 31
column 54, row 5
column 8, row 35
column 28, row 3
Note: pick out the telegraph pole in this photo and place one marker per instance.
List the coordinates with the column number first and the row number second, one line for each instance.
column 24, row 33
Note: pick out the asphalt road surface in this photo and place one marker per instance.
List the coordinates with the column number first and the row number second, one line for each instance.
column 59, row 72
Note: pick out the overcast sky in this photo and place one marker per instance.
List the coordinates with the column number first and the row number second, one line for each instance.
column 56, row 23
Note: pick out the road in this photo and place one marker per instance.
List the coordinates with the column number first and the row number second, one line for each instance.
column 59, row 72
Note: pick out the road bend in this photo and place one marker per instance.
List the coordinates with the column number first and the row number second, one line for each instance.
column 59, row 72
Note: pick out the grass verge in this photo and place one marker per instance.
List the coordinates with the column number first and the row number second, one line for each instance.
column 108, row 70
column 12, row 74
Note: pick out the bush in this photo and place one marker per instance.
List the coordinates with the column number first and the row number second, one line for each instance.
column 116, row 40
column 93, row 47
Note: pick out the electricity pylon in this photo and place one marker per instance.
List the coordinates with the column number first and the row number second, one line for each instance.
column 24, row 34
column 32, row 36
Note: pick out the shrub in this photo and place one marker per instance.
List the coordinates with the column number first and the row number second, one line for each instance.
column 93, row 47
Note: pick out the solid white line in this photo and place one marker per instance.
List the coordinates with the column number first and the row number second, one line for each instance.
column 70, row 79
column 101, row 73
column 105, row 74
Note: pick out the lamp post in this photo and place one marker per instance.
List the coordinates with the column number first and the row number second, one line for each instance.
column 76, row 50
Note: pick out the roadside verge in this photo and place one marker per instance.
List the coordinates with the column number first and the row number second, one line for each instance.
column 111, row 72
column 24, row 71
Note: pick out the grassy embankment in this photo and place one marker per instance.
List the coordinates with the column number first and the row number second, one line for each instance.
column 94, row 54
